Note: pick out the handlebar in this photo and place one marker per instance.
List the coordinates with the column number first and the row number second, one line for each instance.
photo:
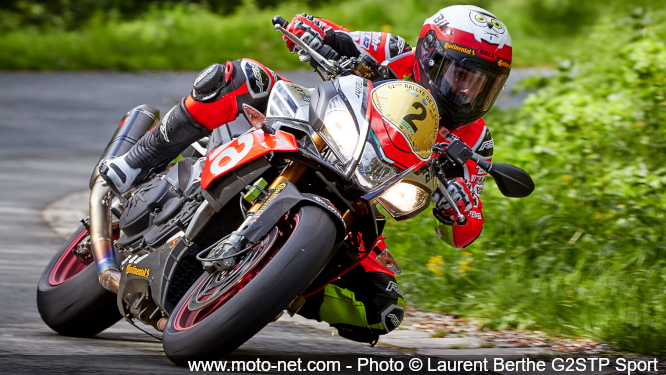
column 277, row 20
column 327, row 65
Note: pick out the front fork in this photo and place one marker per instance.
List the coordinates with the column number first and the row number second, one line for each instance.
column 220, row 257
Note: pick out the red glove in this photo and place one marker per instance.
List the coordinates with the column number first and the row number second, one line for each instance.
column 310, row 30
column 462, row 196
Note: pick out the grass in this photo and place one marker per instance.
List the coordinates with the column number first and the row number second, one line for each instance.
column 585, row 254
column 191, row 38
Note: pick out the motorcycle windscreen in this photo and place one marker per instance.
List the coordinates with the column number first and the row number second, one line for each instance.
column 411, row 113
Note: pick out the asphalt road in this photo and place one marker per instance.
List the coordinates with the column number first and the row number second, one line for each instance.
column 53, row 126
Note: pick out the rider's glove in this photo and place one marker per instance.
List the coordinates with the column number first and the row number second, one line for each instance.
column 310, row 30
column 461, row 195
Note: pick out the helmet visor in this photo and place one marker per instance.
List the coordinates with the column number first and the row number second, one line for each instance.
column 466, row 87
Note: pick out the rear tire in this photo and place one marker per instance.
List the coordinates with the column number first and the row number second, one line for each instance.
column 288, row 273
column 77, row 306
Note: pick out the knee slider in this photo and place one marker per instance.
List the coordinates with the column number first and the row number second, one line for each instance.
column 209, row 83
column 392, row 316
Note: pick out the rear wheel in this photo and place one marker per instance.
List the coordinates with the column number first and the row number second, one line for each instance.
column 223, row 310
column 70, row 299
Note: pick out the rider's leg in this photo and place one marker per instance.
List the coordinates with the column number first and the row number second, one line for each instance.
column 363, row 304
column 217, row 96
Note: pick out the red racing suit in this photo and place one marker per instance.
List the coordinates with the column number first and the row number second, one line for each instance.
column 217, row 98
column 366, row 301
column 394, row 50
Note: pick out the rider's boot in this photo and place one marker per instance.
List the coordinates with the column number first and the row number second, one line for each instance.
column 165, row 142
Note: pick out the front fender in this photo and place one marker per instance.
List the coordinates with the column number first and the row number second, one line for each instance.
column 285, row 197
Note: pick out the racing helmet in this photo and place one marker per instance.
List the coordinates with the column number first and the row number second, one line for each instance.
column 463, row 57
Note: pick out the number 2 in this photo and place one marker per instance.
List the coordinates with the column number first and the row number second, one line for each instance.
column 416, row 116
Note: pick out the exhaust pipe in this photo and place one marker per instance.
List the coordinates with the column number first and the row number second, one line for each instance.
column 101, row 237
column 132, row 127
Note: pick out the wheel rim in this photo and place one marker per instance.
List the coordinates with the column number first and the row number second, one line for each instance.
column 214, row 290
column 68, row 265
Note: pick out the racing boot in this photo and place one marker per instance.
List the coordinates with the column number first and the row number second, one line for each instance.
column 155, row 149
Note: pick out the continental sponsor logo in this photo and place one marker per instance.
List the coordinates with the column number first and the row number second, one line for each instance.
column 143, row 272
column 278, row 189
column 503, row 63
column 462, row 49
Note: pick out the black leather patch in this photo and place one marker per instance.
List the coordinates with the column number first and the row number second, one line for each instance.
column 485, row 149
column 209, row 82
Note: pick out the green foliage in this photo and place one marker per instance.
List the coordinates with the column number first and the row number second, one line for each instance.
column 191, row 34
column 585, row 254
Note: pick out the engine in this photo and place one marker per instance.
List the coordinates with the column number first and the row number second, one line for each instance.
column 160, row 208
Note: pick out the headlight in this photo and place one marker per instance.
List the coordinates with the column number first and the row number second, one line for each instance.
column 339, row 130
column 372, row 170
column 403, row 198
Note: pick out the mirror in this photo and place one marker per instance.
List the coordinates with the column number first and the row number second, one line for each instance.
column 512, row 181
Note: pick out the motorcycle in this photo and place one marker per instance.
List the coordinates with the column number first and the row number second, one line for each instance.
column 217, row 245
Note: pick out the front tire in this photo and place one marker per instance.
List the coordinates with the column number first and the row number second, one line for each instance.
column 287, row 274
column 70, row 299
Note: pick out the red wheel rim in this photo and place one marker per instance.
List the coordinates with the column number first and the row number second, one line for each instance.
column 186, row 318
column 68, row 265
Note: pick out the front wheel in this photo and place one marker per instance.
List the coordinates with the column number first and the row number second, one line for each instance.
column 223, row 310
column 70, row 299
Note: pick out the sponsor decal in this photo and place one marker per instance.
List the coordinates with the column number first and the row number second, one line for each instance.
column 475, row 215
column 480, row 171
column 256, row 73
column 277, row 190
column 440, row 21
column 302, row 94
column 173, row 242
column 163, row 126
column 376, row 39
column 425, row 101
column 365, row 40
column 401, row 45
column 486, row 145
column 258, row 79
column 503, row 63
column 478, row 179
column 487, row 54
column 392, row 285
column 417, row 122
column 204, row 74
column 394, row 319
column 358, row 89
column 143, row 272
column 469, row 51
column 328, row 204
column 224, row 159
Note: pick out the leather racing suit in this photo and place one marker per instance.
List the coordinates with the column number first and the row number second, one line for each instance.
column 365, row 302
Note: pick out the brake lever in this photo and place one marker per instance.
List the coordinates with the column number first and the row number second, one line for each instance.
column 327, row 65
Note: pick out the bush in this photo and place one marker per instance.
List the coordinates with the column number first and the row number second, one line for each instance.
column 585, row 253
column 190, row 35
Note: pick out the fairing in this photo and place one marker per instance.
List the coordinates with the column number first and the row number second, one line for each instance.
column 242, row 150
column 404, row 123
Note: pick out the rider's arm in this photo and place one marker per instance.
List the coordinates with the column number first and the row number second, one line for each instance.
column 378, row 45
column 478, row 137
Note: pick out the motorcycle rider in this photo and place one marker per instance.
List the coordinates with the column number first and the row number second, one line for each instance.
column 462, row 57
